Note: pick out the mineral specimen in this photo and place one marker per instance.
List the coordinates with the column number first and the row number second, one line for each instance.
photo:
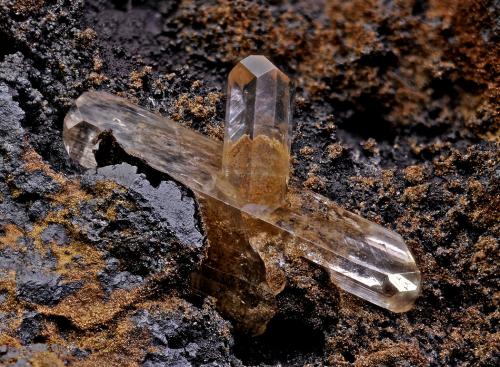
column 243, row 266
column 362, row 257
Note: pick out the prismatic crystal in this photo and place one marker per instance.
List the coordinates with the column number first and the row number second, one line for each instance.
column 256, row 153
column 251, row 213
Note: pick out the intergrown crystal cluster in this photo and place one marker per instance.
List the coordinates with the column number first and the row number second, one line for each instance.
column 252, row 215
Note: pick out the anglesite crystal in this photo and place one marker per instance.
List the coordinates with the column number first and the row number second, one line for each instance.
column 256, row 153
column 251, row 214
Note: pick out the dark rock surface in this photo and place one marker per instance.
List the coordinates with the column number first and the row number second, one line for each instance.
column 397, row 119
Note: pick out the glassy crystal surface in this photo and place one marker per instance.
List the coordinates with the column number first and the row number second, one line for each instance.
column 362, row 257
column 256, row 155
column 242, row 276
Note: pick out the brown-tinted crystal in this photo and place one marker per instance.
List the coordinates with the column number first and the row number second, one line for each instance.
column 362, row 257
column 256, row 153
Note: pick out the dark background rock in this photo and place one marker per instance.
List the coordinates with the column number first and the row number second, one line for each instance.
column 396, row 119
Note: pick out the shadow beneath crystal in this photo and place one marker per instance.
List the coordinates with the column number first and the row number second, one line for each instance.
column 283, row 341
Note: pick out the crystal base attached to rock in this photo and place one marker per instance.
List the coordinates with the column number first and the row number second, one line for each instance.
column 244, row 226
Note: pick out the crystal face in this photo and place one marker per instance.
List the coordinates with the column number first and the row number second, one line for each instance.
column 256, row 153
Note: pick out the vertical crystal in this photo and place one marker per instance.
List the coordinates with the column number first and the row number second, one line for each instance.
column 255, row 161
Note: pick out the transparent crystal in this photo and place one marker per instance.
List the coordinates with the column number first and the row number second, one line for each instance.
column 242, row 268
column 256, row 153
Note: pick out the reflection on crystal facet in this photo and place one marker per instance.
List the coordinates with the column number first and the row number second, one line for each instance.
column 362, row 257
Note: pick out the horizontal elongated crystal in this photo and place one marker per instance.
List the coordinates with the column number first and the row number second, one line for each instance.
column 362, row 257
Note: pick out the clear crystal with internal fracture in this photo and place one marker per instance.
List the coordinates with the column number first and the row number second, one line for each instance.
column 242, row 269
column 256, row 153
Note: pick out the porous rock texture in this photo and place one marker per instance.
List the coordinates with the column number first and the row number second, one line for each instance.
column 396, row 117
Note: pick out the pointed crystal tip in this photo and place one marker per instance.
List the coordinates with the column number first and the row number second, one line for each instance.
column 258, row 65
